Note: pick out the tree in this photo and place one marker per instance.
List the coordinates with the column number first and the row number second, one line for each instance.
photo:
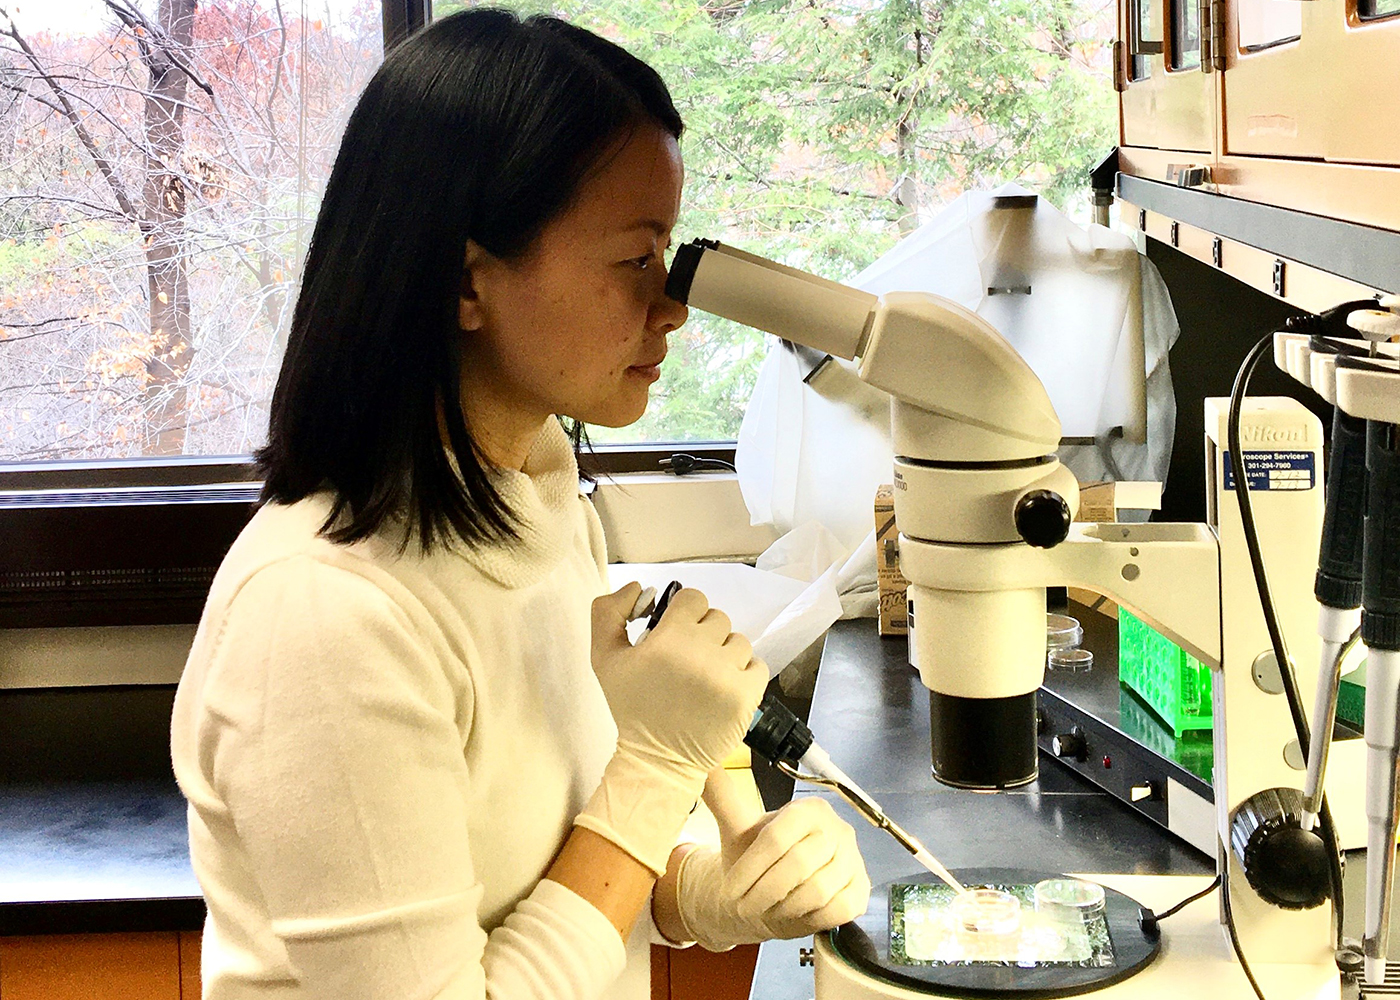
column 819, row 132
column 158, row 179
column 239, row 109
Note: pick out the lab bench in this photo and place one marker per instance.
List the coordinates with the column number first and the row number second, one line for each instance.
column 870, row 712
column 97, row 897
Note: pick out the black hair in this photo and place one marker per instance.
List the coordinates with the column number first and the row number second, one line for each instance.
column 482, row 127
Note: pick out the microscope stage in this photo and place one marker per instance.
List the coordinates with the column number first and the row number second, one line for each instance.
column 1193, row 958
column 911, row 935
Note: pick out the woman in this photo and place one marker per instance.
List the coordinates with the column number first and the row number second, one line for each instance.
column 422, row 758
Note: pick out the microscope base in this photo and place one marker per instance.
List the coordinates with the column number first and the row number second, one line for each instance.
column 1195, row 957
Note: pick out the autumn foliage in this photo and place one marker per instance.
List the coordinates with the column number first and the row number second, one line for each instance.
column 159, row 176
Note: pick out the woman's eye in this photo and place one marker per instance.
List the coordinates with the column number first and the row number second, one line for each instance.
column 641, row 263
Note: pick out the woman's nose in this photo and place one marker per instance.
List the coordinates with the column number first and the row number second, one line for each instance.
column 665, row 314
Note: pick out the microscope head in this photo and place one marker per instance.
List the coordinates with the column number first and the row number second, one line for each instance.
column 976, row 486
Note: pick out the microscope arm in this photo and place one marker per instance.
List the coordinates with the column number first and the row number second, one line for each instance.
column 1141, row 566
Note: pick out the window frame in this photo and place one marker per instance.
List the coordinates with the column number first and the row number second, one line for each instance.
column 1257, row 47
column 67, row 556
column 1374, row 18
column 1140, row 51
column 1180, row 14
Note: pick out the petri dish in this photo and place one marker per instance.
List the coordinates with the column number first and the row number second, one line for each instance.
column 1069, row 900
column 987, row 912
column 1062, row 631
column 1070, row 660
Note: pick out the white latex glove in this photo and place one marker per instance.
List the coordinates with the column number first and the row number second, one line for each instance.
column 800, row 874
column 682, row 698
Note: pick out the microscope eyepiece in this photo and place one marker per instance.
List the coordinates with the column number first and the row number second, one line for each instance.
column 683, row 266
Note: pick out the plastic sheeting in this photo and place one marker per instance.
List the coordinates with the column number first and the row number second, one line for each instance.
column 1096, row 327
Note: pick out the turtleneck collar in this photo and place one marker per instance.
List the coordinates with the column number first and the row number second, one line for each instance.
column 543, row 497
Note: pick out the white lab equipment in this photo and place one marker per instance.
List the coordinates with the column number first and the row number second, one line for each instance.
column 1360, row 377
column 1089, row 314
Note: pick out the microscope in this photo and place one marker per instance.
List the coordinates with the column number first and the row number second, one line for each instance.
column 985, row 512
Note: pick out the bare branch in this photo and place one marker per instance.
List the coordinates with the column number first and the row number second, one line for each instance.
column 106, row 210
column 134, row 19
column 43, row 333
column 113, row 181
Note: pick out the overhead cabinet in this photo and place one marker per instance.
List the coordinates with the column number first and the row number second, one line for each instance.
column 1292, row 103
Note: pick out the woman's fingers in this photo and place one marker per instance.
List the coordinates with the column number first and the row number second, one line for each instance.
column 791, row 825
column 610, row 614
column 687, row 605
column 847, row 903
column 832, row 889
column 715, row 626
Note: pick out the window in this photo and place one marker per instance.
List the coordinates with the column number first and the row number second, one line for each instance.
column 152, row 222
column 1186, row 35
column 1146, row 36
column 1266, row 23
column 146, row 285
column 1370, row 10
column 819, row 132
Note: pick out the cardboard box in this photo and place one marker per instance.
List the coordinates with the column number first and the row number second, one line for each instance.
column 1100, row 502
column 893, row 607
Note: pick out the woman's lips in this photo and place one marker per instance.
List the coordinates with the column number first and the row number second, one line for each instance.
column 651, row 371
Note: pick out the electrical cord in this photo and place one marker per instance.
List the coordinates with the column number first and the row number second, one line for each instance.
column 1148, row 920
column 1289, row 679
column 683, row 464
column 1234, row 935
column 1174, row 910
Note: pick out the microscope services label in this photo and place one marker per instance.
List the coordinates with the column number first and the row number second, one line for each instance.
column 1275, row 470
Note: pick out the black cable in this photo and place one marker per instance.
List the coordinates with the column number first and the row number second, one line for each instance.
column 1172, row 911
column 683, row 464
column 1289, row 679
column 1234, row 936
column 1148, row 920
column 1251, row 538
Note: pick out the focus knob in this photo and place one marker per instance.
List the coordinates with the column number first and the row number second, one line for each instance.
column 1286, row 865
column 1070, row 744
column 1043, row 518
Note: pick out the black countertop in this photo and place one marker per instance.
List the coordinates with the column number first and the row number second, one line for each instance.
column 870, row 712
column 92, row 825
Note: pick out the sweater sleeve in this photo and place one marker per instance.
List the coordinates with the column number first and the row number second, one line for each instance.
column 333, row 738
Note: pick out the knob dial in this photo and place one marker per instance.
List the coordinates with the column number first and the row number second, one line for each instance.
column 1043, row 518
column 1286, row 865
column 1070, row 744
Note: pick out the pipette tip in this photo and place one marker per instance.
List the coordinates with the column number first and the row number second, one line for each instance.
column 923, row 857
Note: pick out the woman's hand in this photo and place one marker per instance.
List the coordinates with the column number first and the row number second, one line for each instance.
column 799, row 874
column 682, row 700
column 686, row 694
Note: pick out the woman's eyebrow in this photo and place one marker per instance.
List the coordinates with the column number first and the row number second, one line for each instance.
column 655, row 225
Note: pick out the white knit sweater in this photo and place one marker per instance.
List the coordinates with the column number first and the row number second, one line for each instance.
column 383, row 752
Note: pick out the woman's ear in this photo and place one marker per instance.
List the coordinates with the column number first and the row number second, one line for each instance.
column 470, row 315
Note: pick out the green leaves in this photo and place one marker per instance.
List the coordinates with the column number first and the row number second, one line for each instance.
column 805, row 119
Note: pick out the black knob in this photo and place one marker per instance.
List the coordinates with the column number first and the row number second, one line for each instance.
column 1286, row 865
column 1070, row 744
column 1043, row 518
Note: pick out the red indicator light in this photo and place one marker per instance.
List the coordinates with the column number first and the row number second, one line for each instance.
column 1107, row 761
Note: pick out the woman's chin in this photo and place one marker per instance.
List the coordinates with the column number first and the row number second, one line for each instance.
column 620, row 413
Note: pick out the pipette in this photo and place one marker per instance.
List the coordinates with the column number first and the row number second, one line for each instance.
column 779, row 736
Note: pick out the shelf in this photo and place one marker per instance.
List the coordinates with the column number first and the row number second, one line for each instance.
column 1366, row 255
